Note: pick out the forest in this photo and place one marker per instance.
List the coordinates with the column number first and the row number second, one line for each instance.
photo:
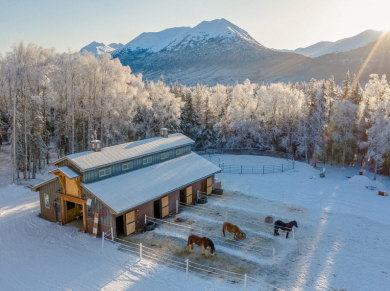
column 59, row 101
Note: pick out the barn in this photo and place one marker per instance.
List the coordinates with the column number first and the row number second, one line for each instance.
column 124, row 182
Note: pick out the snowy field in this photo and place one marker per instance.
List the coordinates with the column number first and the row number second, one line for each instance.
column 341, row 242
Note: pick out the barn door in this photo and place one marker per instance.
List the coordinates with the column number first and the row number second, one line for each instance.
column 209, row 185
column 189, row 195
column 130, row 223
column 164, row 206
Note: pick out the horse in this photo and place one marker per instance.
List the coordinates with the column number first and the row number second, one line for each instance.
column 202, row 242
column 238, row 234
column 284, row 226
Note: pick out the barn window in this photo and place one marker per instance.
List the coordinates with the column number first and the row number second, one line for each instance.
column 127, row 166
column 147, row 160
column 104, row 172
column 179, row 152
column 47, row 201
column 165, row 155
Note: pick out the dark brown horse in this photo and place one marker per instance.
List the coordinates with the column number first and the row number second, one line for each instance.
column 284, row 226
column 202, row 242
column 238, row 234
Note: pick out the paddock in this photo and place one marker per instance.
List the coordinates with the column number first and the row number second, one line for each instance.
column 253, row 256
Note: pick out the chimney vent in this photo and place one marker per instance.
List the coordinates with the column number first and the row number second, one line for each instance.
column 164, row 132
column 96, row 145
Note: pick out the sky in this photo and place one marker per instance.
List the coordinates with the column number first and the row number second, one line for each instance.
column 281, row 24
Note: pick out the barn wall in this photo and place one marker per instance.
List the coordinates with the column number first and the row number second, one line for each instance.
column 105, row 217
column 50, row 189
column 116, row 169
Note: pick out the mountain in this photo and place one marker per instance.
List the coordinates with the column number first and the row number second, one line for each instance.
column 98, row 48
column 218, row 51
column 116, row 46
column 153, row 41
column 211, row 52
column 342, row 45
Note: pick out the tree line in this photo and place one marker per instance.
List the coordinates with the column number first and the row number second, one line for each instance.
column 53, row 100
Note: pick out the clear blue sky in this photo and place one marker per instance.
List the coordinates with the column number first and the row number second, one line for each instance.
column 274, row 23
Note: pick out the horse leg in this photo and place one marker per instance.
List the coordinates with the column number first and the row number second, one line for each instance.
column 287, row 234
column 205, row 252
column 276, row 232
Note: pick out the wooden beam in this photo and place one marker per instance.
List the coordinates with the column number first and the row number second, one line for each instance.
column 78, row 185
column 84, row 218
column 63, row 210
column 72, row 199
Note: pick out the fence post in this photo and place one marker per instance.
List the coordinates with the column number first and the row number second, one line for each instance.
column 273, row 256
column 263, row 169
column 197, row 194
column 273, row 168
column 187, row 267
column 293, row 233
column 177, row 206
column 245, row 282
column 282, row 167
column 283, row 196
column 103, row 239
column 145, row 218
column 252, row 169
column 112, row 233
column 241, row 169
column 140, row 251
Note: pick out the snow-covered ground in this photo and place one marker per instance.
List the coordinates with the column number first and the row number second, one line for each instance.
column 341, row 242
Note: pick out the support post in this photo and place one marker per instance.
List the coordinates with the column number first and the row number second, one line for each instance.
column 140, row 251
column 177, row 206
column 293, row 233
column 112, row 233
column 273, row 256
column 103, row 239
column 187, row 262
column 245, row 278
column 145, row 218
column 197, row 194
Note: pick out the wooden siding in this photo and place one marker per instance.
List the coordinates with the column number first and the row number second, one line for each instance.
column 105, row 217
column 51, row 190
column 116, row 169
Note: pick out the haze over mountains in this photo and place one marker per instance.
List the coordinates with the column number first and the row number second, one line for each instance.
column 220, row 52
column 342, row 45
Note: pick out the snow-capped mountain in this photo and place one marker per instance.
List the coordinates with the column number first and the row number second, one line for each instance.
column 342, row 45
column 154, row 41
column 212, row 51
column 218, row 30
column 99, row 48
column 220, row 52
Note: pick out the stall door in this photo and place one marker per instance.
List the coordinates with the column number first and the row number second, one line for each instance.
column 189, row 195
column 209, row 185
column 164, row 206
column 130, row 223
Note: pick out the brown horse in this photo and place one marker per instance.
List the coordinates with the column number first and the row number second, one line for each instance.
column 284, row 226
column 202, row 242
column 238, row 234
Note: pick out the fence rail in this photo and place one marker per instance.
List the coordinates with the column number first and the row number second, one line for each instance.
column 249, row 169
column 187, row 265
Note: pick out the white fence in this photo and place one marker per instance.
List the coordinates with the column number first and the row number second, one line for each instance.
column 248, row 283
